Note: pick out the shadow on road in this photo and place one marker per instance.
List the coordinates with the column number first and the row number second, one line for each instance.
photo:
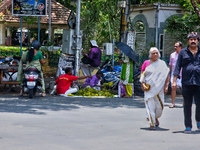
column 17, row 104
column 157, row 129
column 193, row 132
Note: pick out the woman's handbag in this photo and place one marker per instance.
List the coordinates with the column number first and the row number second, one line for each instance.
column 85, row 60
column 148, row 86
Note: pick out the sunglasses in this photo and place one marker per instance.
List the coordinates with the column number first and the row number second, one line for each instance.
column 193, row 35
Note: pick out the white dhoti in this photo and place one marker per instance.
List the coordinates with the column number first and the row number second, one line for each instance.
column 154, row 75
column 154, row 108
column 69, row 91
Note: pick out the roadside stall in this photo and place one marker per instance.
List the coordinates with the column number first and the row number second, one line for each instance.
column 8, row 76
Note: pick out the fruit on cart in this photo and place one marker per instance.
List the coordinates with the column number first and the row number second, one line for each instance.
column 107, row 85
column 93, row 92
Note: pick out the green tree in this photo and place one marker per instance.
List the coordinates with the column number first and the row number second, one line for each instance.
column 100, row 20
column 30, row 20
column 195, row 5
column 180, row 26
column 154, row 1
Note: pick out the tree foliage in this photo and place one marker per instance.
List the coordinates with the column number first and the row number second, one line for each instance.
column 155, row 1
column 101, row 18
column 180, row 26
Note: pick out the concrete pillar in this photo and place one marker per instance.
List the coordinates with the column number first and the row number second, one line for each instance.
column 8, row 40
column 8, row 31
column 2, row 34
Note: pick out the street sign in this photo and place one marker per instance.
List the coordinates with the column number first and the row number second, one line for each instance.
column 72, row 20
column 29, row 7
column 131, row 39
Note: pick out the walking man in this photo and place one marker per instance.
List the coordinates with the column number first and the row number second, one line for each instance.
column 189, row 61
column 172, row 64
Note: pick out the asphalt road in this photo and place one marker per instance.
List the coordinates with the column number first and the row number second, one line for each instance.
column 60, row 123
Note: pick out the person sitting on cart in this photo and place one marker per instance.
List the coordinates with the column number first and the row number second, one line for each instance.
column 95, row 81
column 64, row 83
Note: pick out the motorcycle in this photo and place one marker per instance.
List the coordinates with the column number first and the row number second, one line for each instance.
column 32, row 82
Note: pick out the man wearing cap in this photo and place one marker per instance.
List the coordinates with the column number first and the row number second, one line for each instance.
column 189, row 61
column 93, row 57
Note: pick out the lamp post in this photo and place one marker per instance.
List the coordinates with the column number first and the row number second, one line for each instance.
column 78, row 37
column 123, row 25
column 49, row 15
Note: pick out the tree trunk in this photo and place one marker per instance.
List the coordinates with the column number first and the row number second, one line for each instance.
column 196, row 9
column 198, row 1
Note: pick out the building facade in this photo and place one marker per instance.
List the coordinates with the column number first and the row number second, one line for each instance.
column 149, row 23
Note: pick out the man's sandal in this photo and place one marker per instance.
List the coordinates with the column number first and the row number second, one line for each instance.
column 172, row 106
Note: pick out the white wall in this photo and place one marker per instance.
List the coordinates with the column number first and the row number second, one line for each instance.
column 149, row 15
column 2, row 34
column 164, row 12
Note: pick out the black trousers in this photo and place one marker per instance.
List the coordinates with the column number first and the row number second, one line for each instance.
column 190, row 93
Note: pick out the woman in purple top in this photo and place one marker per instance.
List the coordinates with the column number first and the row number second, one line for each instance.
column 94, row 54
column 94, row 59
column 94, row 82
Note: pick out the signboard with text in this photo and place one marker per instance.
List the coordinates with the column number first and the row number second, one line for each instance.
column 131, row 39
column 29, row 7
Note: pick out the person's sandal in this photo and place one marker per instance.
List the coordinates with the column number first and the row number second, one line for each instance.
column 157, row 123
column 21, row 93
column 152, row 128
column 43, row 94
column 172, row 106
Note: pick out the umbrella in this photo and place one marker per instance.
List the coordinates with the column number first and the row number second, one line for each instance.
column 127, row 50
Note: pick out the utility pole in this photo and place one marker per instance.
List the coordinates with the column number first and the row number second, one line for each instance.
column 122, row 5
column 125, row 10
column 78, row 38
column 21, row 22
column 49, row 15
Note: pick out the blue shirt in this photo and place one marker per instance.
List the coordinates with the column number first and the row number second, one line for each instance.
column 190, row 65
